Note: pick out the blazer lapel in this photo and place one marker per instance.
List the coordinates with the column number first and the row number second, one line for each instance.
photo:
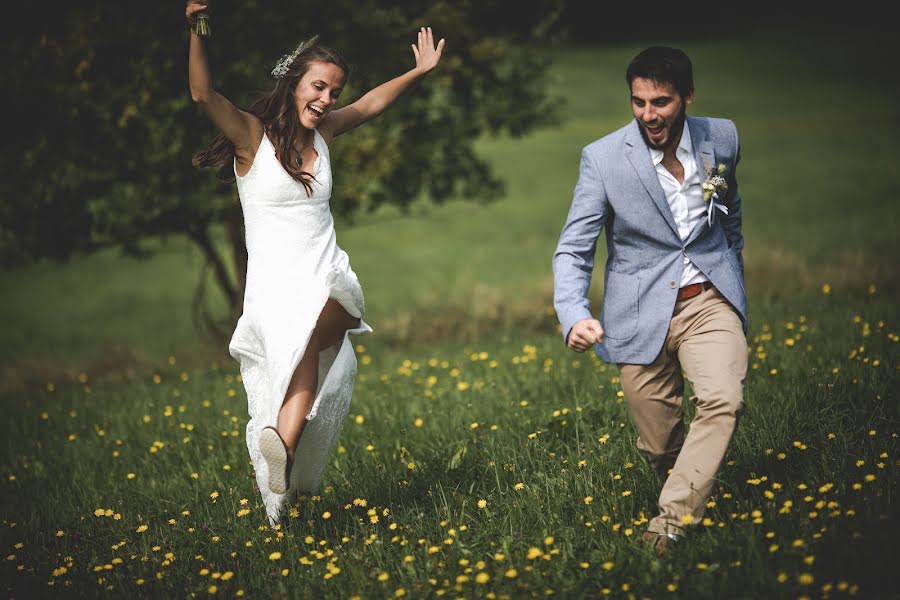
column 703, row 148
column 639, row 157
column 705, row 157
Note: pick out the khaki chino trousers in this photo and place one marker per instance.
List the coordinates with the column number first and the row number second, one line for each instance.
column 705, row 343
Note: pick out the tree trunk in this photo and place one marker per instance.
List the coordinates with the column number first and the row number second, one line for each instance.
column 232, row 296
column 234, row 229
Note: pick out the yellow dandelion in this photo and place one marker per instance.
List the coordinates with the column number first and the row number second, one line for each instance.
column 482, row 503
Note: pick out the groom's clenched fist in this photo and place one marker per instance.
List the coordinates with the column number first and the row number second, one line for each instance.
column 585, row 334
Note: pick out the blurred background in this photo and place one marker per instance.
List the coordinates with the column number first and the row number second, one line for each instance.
column 117, row 253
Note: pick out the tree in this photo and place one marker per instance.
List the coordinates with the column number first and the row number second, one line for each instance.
column 104, row 126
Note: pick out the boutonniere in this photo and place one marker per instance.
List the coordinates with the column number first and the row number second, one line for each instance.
column 714, row 187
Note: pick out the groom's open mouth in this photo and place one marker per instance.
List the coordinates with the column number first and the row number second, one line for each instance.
column 655, row 133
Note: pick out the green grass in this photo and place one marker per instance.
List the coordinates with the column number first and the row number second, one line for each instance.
column 531, row 417
column 458, row 296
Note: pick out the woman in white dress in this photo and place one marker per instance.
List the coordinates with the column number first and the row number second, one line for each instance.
column 302, row 299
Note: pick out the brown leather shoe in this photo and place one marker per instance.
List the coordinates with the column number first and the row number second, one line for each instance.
column 660, row 541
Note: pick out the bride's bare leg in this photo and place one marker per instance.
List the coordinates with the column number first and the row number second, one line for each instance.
column 299, row 397
column 333, row 322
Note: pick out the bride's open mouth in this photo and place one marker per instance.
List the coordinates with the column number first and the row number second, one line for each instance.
column 315, row 112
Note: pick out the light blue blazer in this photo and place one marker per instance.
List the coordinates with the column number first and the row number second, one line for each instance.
column 618, row 189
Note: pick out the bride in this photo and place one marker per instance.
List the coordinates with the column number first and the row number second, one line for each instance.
column 302, row 299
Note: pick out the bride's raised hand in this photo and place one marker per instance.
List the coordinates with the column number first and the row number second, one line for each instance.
column 427, row 54
column 193, row 8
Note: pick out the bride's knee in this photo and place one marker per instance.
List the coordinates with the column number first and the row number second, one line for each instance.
column 315, row 339
column 324, row 337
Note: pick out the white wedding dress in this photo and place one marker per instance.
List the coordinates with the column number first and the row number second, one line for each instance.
column 294, row 266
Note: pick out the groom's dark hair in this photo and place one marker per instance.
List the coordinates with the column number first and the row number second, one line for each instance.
column 663, row 65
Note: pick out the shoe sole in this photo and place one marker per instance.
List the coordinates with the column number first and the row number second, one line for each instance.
column 273, row 451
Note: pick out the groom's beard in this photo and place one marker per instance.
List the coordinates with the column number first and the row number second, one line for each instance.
column 674, row 135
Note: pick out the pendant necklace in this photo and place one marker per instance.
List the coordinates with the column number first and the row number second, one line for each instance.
column 299, row 159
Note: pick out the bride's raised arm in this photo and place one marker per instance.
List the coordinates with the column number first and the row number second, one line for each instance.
column 241, row 128
column 375, row 101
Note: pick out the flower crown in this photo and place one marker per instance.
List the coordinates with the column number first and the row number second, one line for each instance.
column 284, row 63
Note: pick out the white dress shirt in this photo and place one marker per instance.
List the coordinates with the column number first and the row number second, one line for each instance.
column 685, row 199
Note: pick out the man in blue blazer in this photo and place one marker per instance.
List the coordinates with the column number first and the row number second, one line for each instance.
column 664, row 187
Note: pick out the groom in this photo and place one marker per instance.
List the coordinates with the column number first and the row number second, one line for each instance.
column 664, row 187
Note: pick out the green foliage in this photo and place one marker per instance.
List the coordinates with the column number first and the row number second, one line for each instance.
column 108, row 128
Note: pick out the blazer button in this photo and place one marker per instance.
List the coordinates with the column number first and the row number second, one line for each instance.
column 672, row 284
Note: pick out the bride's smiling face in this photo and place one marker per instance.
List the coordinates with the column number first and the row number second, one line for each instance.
column 317, row 92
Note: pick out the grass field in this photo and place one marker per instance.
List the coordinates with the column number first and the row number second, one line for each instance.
column 481, row 458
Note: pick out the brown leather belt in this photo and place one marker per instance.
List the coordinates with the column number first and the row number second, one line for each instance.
column 695, row 289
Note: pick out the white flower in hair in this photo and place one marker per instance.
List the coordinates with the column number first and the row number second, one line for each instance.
column 284, row 64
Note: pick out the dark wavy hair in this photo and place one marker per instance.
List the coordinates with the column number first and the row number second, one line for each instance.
column 278, row 114
column 663, row 65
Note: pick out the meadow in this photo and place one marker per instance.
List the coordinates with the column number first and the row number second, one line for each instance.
column 481, row 458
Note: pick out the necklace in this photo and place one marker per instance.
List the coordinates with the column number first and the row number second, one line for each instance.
column 299, row 159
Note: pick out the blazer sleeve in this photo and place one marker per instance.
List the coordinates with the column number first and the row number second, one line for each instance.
column 573, row 261
column 732, row 222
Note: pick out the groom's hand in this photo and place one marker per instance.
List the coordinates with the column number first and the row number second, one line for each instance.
column 585, row 334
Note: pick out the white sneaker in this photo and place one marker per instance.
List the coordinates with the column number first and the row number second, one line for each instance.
column 275, row 453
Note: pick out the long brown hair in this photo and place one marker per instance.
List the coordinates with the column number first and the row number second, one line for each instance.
column 278, row 114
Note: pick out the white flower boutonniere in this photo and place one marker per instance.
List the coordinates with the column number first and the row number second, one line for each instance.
column 714, row 187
